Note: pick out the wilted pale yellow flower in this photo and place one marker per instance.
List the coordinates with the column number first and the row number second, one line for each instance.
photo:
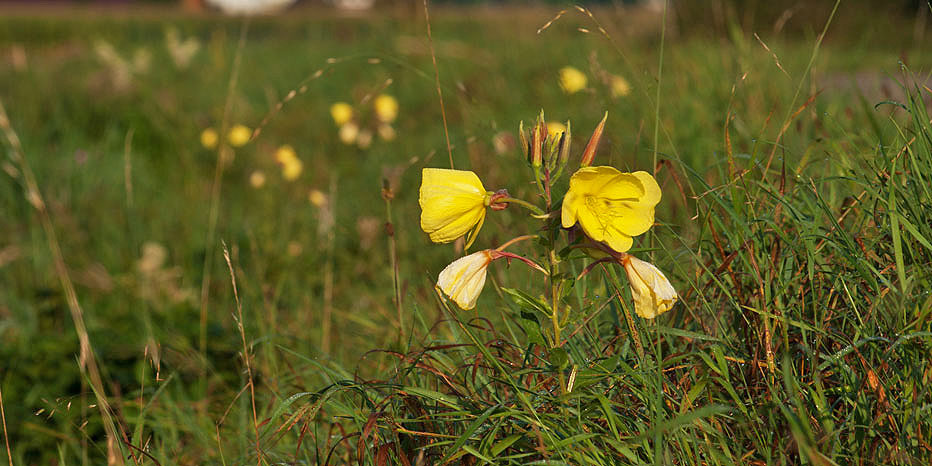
column 620, row 86
column 386, row 131
column 386, row 108
column 464, row 278
column 452, row 203
column 572, row 80
column 341, row 112
column 285, row 154
column 611, row 206
column 555, row 128
column 257, row 179
column 317, row 198
column 348, row 133
column 652, row 292
column 239, row 135
column 209, row 138
column 292, row 169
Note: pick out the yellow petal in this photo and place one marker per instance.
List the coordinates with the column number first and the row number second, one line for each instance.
column 652, row 292
column 464, row 278
column 452, row 204
column 568, row 211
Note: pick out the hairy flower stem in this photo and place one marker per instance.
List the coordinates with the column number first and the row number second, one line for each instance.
column 522, row 203
column 514, row 241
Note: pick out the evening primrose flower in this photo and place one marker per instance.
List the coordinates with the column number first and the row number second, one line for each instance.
column 239, row 135
column 209, row 138
column 257, row 179
column 453, row 204
column 341, row 112
column 652, row 292
column 317, row 198
column 464, row 278
column 386, row 108
column 291, row 164
column 611, row 206
column 285, row 154
column 620, row 86
column 292, row 169
column 572, row 80
column 348, row 133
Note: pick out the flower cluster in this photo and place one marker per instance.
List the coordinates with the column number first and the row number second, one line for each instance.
column 604, row 206
column 238, row 136
column 572, row 80
column 351, row 130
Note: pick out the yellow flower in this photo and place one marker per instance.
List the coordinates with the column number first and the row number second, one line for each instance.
column 348, row 133
column 239, row 135
column 285, row 154
column 386, row 108
column 652, row 292
column 611, row 206
column 341, row 112
column 317, row 198
column 257, row 179
column 554, row 129
column 572, row 80
column 453, row 204
column 620, row 86
column 209, row 138
column 464, row 278
column 292, row 169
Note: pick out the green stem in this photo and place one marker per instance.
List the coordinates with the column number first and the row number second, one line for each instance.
column 523, row 203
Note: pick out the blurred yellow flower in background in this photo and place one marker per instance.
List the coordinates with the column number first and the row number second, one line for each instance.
column 620, row 86
column 239, row 135
column 452, row 203
column 292, row 170
column 652, row 292
column 291, row 164
column 386, row 108
column 317, row 198
column 209, row 138
column 464, row 278
column 348, row 133
column 285, row 153
column 611, row 206
column 257, row 179
column 572, row 80
column 341, row 112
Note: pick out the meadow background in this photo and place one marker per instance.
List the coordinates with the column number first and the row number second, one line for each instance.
column 796, row 225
